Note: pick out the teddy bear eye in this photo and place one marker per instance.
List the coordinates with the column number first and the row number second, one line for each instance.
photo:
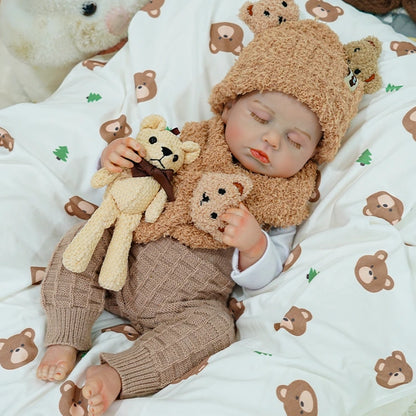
column 284, row 4
column 357, row 71
column 175, row 158
column 214, row 215
column 221, row 191
column 152, row 140
column 89, row 8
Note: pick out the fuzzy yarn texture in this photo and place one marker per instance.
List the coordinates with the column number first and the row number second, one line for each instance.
column 304, row 59
column 279, row 202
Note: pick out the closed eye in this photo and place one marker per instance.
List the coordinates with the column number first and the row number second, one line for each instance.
column 258, row 118
column 294, row 143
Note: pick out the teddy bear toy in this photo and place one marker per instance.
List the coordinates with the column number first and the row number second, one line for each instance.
column 213, row 195
column 42, row 40
column 144, row 189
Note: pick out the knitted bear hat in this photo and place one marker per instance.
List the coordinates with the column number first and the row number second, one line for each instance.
column 306, row 60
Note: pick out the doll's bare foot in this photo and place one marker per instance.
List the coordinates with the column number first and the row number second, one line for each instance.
column 102, row 386
column 57, row 363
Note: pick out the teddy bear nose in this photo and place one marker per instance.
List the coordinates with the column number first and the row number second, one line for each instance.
column 166, row 151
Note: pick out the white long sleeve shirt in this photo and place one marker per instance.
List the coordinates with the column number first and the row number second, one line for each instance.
column 270, row 265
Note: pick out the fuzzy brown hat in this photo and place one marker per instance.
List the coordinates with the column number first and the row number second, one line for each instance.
column 306, row 60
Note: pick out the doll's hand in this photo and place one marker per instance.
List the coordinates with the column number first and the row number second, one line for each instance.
column 121, row 153
column 244, row 233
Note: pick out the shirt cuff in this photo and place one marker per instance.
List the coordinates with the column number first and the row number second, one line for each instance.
column 258, row 274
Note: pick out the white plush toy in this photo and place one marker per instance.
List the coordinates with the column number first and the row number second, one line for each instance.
column 130, row 195
column 42, row 40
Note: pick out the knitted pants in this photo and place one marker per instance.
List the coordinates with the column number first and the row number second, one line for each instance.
column 175, row 297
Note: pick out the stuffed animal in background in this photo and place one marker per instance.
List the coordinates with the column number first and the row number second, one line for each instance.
column 383, row 7
column 42, row 40
column 144, row 189
column 363, row 61
column 213, row 195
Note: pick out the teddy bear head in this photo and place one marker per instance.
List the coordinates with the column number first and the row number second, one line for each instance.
column 164, row 149
column 263, row 14
column 362, row 59
column 57, row 33
column 213, row 195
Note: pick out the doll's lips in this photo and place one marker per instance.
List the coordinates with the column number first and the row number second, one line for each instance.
column 259, row 155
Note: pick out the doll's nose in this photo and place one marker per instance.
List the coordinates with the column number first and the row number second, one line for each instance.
column 272, row 138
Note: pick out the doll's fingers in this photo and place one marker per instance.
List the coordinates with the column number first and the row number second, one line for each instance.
column 131, row 155
column 136, row 146
column 112, row 168
column 229, row 218
column 120, row 161
column 243, row 207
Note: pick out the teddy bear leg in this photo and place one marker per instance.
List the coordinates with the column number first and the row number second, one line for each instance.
column 114, row 270
column 79, row 252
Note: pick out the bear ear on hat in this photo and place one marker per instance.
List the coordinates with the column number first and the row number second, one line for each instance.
column 265, row 14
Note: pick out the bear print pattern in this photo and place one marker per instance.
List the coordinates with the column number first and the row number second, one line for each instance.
column 324, row 11
column 18, row 350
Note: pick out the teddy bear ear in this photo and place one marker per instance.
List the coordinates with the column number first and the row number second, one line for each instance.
column 246, row 11
column 374, row 42
column 191, row 150
column 243, row 184
column 153, row 121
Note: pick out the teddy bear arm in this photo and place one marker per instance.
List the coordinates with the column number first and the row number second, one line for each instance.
column 155, row 208
column 103, row 177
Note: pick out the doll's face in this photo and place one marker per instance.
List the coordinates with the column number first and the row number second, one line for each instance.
column 271, row 133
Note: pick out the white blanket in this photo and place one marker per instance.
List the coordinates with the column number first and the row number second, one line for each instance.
column 352, row 286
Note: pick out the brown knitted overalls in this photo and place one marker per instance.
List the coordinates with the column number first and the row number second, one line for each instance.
column 175, row 297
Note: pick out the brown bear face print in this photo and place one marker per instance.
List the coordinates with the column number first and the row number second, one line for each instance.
column 402, row 48
column 293, row 256
column 6, row 140
column 79, row 207
column 145, row 83
column 409, row 122
column 384, row 205
column 226, row 37
column 236, row 307
column 18, row 350
column 115, row 129
column 294, row 321
column 393, row 371
column 153, row 8
column 72, row 402
column 324, row 11
column 92, row 64
column 193, row 371
column 37, row 274
column 299, row 399
column 371, row 272
column 127, row 330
